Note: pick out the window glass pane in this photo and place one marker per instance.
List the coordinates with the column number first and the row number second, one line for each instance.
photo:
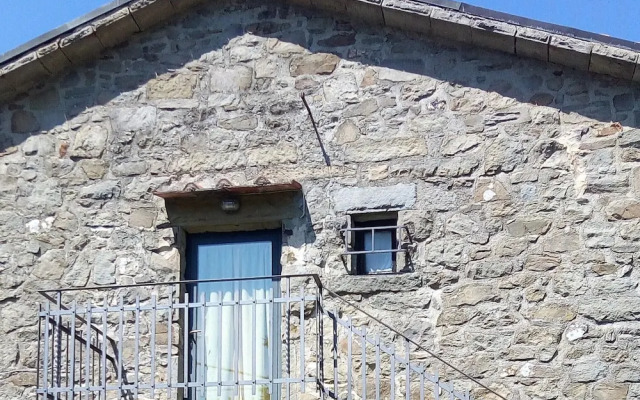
column 380, row 262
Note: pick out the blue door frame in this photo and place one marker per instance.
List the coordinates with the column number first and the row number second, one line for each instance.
column 228, row 256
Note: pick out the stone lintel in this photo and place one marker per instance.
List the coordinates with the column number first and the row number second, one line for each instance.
column 452, row 25
column 115, row 28
column 148, row 13
column 494, row 35
column 613, row 61
column 24, row 71
column 570, row 52
column 409, row 15
column 53, row 58
column 532, row 43
column 81, row 45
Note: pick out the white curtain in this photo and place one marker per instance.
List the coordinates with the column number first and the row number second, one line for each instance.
column 235, row 346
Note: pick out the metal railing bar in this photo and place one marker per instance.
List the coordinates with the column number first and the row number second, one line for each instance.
column 152, row 350
column 302, row 333
column 398, row 250
column 170, row 344
column 373, row 228
column 419, row 346
column 274, row 278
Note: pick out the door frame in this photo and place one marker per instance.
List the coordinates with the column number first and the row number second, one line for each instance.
column 238, row 237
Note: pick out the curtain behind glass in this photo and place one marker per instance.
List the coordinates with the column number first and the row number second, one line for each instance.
column 231, row 334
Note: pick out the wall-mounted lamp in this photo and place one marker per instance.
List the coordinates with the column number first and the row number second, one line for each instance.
column 230, row 205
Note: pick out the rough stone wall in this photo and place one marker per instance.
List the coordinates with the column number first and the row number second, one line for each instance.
column 522, row 194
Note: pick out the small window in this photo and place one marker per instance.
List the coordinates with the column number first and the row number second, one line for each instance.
column 372, row 241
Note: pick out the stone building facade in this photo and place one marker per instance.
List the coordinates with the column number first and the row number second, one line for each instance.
column 518, row 179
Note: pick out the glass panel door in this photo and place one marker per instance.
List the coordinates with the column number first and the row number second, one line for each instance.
column 233, row 338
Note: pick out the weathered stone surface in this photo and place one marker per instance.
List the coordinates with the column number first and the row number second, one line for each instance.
column 366, row 150
column 51, row 265
column 553, row 313
column 347, row 132
column 588, row 371
column 178, row 86
column 623, row 209
column 314, row 64
column 355, row 285
column 241, row 123
column 375, row 198
column 470, row 295
column 606, row 391
column 24, row 122
column 90, row 142
column 529, row 226
column 562, row 242
column 459, row 144
column 510, row 176
column 229, row 80
column 609, row 310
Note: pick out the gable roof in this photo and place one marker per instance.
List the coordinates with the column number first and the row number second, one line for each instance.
column 84, row 38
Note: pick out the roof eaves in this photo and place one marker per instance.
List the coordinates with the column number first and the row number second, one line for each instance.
column 84, row 37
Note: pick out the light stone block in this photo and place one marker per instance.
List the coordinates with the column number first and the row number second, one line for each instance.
column 148, row 13
column 407, row 14
column 452, row 25
column 494, row 35
column 532, row 43
column 375, row 198
column 115, row 28
column 613, row 61
column 570, row 52
column 81, row 46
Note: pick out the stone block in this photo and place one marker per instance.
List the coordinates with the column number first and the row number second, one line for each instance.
column 148, row 13
column 142, row 218
column 115, row 28
column 494, row 35
column 610, row 309
column 449, row 24
column 369, row 11
column 574, row 53
column 623, row 209
column 609, row 391
column 314, row 64
column 178, row 86
column 375, row 198
column 471, row 295
column 553, row 313
column 375, row 284
column 532, row 43
column 81, row 46
column 588, row 371
column 53, row 58
column 411, row 15
column 90, row 142
column 613, row 61
column 365, row 150
column 25, row 72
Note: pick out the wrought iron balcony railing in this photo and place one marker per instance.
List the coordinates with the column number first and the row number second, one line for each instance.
column 257, row 338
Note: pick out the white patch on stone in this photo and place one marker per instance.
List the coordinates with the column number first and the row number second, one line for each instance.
column 33, row 226
column 526, row 370
column 488, row 195
column 48, row 222
column 576, row 332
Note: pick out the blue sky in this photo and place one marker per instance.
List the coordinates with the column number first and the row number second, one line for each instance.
column 23, row 20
